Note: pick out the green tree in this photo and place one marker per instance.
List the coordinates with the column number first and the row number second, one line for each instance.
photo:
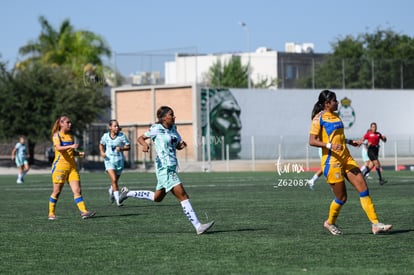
column 32, row 99
column 383, row 59
column 62, row 73
column 267, row 83
column 230, row 75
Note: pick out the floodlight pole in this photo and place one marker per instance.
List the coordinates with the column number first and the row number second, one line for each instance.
column 244, row 25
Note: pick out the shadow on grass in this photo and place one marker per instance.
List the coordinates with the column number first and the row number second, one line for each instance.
column 400, row 231
column 98, row 216
column 210, row 232
column 392, row 232
column 234, row 230
column 128, row 206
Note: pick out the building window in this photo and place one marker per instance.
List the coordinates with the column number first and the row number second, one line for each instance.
column 291, row 72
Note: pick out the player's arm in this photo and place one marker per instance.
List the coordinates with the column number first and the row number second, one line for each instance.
column 13, row 153
column 142, row 141
column 181, row 145
column 353, row 142
column 123, row 148
column 364, row 139
column 126, row 148
column 102, row 150
column 383, row 138
column 314, row 134
column 125, row 144
column 315, row 141
column 78, row 154
column 61, row 148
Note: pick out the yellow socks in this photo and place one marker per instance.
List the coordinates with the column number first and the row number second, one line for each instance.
column 368, row 206
column 81, row 204
column 334, row 209
column 52, row 205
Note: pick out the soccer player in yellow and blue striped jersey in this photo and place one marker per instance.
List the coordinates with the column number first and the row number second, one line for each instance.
column 327, row 132
column 64, row 167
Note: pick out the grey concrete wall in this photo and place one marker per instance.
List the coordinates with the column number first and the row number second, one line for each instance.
column 280, row 119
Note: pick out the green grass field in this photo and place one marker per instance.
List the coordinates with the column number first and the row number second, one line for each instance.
column 259, row 229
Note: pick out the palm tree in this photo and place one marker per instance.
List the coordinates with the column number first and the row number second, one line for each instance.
column 64, row 47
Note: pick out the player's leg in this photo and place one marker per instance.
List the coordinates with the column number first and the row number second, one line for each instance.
column 156, row 196
column 356, row 179
column 312, row 181
column 114, row 177
column 75, row 185
column 57, row 189
column 141, row 194
column 26, row 168
column 59, row 177
column 339, row 189
column 340, row 193
column 378, row 169
column 20, row 174
column 179, row 192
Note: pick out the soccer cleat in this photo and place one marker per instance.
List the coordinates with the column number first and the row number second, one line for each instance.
column 19, row 181
column 52, row 217
column 87, row 214
column 123, row 195
column 381, row 228
column 382, row 182
column 332, row 228
column 204, row 227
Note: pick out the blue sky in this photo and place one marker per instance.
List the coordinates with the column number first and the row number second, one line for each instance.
column 208, row 26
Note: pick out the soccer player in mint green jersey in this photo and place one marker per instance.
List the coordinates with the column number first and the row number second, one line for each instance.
column 166, row 140
column 19, row 156
column 113, row 144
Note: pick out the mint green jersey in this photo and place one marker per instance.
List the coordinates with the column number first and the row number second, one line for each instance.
column 165, row 142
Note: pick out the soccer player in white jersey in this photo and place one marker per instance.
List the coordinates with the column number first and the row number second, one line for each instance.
column 111, row 147
column 166, row 140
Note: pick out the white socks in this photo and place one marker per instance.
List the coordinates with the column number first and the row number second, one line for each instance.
column 315, row 177
column 148, row 195
column 116, row 196
column 189, row 212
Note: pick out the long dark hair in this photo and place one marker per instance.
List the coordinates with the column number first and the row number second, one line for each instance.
column 324, row 96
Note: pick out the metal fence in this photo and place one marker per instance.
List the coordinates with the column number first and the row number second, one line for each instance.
column 285, row 71
column 257, row 148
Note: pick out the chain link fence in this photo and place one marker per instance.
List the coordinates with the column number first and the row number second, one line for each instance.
column 269, row 69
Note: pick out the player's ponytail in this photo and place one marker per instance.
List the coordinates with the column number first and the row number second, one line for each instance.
column 324, row 96
column 55, row 128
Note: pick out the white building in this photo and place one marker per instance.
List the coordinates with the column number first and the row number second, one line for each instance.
column 265, row 65
column 194, row 68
